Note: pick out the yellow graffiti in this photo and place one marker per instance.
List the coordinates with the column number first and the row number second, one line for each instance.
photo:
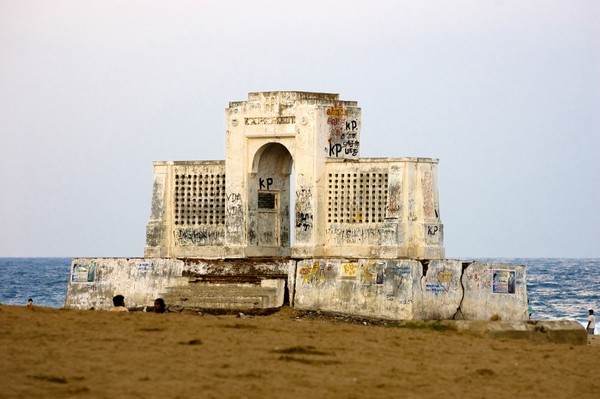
column 349, row 268
column 315, row 267
column 445, row 276
column 339, row 112
column 305, row 273
column 312, row 275
column 369, row 273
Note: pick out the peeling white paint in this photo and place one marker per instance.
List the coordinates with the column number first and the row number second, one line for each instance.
column 345, row 205
column 402, row 290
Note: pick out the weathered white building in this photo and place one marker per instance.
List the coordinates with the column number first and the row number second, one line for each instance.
column 345, row 206
column 294, row 206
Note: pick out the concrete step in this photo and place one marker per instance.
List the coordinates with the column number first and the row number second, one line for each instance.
column 221, row 296
column 220, row 303
column 197, row 290
column 233, row 279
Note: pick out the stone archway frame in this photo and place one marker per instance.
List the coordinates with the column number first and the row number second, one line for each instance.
column 269, row 199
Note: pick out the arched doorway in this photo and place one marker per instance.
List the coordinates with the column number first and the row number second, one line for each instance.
column 269, row 200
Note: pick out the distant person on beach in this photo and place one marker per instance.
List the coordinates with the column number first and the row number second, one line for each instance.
column 30, row 303
column 159, row 306
column 119, row 304
column 591, row 325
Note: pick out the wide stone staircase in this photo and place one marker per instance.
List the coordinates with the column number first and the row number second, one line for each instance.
column 223, row 294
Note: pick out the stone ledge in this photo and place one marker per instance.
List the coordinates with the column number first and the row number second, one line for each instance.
column 558, row 331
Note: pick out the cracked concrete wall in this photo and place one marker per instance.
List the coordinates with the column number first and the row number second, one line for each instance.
column 440, row 291
column 94, row 281
column 397, row 289
column 408, row 289
column 494, row 289
column 376, row 288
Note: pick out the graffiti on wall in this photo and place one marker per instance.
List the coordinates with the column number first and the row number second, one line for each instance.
column 343, row 133
column 234, row 216
column 318, row 272
column 303, row 194
column 304, row 220
column 145, row 267
column 480, row 279
column 304, row 214
column 397, row 283
column 361, row 235
column 349, row 269
column 338, row 112
column 233, row 205
column 265, row 184
column 370, row 273
column 442, row 281
column 389, row 280
column 194, row 236
column 432, row 230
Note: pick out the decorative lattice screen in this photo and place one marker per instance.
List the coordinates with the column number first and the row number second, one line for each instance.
column 357, row 197
column 199, row 199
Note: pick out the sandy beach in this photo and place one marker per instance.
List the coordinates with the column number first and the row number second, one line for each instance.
column 59, row 353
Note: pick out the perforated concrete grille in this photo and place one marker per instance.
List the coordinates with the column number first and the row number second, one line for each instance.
column 357, row 197
column 199, row 199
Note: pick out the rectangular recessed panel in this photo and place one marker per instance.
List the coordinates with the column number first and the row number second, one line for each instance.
column 266, row 201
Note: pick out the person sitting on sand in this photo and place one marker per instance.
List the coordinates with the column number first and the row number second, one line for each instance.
column 119, row 304
column 159, row 306
column 30, row 303
column 591, row 325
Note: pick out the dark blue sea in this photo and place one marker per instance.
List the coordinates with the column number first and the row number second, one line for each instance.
column 558, row 288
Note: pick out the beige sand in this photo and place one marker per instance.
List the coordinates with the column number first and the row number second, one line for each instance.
column 93, row 354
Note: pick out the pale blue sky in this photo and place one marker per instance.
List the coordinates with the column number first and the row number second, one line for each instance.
column 505, row 93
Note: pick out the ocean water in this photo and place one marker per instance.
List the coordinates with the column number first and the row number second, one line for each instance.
column 558, row 288
column 561, row 288
column 42, row 279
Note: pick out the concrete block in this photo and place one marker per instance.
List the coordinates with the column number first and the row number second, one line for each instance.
column 557, row 331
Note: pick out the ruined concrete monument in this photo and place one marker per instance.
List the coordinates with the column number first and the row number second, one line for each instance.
column 345, row 206
column 294, row 214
